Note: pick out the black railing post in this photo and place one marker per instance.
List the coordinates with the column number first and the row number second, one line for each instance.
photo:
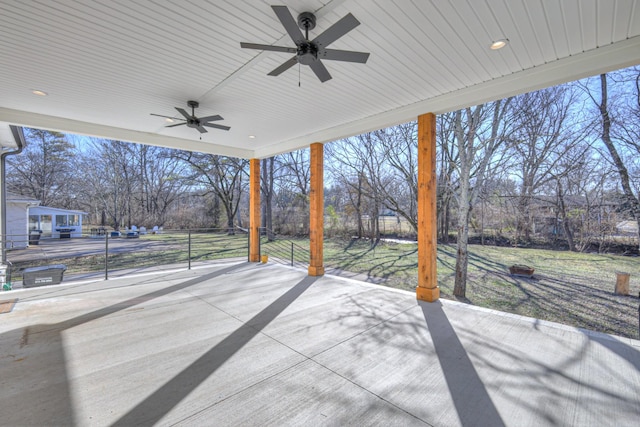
column 249, row 244
column 259, row 245
column 106, row 256
column 189, row 255
column 291, row 254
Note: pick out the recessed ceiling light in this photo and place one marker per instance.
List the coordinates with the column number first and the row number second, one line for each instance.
column 252, row 137
column 39, row 92
column 499, row 44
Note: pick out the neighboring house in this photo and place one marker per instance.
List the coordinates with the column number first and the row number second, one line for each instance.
column 17, row 219
column 627, row 228
column 56, row 223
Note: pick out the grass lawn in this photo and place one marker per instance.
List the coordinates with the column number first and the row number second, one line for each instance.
column 571, row 288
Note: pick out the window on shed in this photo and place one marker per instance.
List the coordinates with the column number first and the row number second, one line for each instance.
column 34, row 222
column 61, row 220
column 74, row 220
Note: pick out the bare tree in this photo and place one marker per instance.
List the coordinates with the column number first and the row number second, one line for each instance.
column 221, row 175
column 106, row 187
column 161, row 182
column 267, row 178
column 398, row 173
column 357, row 164
column 44, row 170
column 608, row 123
column 446, row 171
column 541, row 130
column 380, row 169
column 292, row 183
column 479, row 132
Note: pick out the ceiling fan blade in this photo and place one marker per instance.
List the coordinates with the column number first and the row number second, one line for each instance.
column 184, row 113
column 201, row 129
column 178, row 124
column 268, row 47
column 345, row 55
column 337, row 30
column 284, row 67
column 166, row 117
column 320, row 70
column 210, row 118
column 289, row 24
column 211, row 125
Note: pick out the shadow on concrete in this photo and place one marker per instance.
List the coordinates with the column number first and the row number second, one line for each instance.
column 30, row 349
column 470, row 397
column 33, row 375
column 158, row 404
column 147, row 297
column 624, row 351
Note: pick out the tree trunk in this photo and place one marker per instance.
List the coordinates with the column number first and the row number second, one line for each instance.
column 215, row 211
column 617, row 160
column 565, row 220
column 230, row 216
column 359, row 208
column 465, row 147
column 375, row 225
column 482, row 223
column 462, row 257
column 267, row 191
column 444, row 217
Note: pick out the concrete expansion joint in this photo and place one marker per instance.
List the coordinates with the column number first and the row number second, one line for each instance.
column 366, row 390
column 409, row 307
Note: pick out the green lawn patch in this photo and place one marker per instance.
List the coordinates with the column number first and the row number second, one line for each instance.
column 575, row 289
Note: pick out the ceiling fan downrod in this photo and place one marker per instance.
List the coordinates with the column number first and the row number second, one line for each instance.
column 193, row 105
column 306, row 22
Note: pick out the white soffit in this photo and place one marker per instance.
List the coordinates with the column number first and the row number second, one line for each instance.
column 106, row 65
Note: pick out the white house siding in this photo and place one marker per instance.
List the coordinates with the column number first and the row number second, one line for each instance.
column 17, row 225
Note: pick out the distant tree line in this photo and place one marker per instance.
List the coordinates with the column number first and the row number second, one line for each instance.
column 561, row 164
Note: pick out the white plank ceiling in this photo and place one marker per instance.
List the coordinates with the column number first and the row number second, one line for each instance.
column 107, row 64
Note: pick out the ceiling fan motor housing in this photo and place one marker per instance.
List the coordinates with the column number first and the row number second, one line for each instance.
column 307, row 21
column 307, row 53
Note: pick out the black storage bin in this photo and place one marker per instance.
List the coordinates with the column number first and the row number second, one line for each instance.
column 45, row 275
column 34, row 237
column 65, row 233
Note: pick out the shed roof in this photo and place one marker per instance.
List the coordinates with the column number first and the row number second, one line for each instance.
column 47, row 209
column 19, row 198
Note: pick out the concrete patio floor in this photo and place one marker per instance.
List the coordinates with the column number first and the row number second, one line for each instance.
column 252, row 344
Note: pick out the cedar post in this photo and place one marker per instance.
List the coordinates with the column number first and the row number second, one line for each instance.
column 254, row 210
column 316, row 210
column 427, row 289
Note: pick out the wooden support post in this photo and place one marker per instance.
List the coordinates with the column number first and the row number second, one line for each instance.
column 316, row 210
column 254, row 210
column 427, row 289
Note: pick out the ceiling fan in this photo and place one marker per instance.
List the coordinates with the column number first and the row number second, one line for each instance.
column 311, row 52
column 195, row 122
